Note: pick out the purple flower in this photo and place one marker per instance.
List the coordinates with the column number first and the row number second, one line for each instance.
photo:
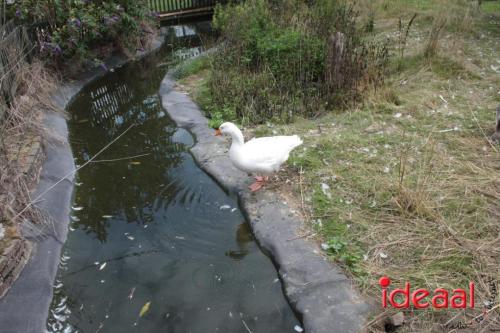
column 18, row 12
column 110, row 20
column 75, row 21
column 57, row 49
column 54, row 48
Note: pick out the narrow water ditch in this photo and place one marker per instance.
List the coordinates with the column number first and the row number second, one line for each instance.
column 155, row 245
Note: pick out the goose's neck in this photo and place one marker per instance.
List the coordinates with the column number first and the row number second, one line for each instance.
column 237, row 137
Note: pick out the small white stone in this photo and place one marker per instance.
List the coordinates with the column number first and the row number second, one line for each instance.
column 326, row 190
column 299, row 329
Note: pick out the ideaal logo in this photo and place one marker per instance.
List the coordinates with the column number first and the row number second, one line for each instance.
column 441, row 299
column 489, row 307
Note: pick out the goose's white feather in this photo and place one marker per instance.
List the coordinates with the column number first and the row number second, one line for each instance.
column 261, row 156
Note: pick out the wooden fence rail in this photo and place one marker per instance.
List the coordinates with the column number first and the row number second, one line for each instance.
column 177, row 8
column 166, row 6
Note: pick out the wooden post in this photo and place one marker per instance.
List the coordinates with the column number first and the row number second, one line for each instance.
column 496, row 136
column 335, row 60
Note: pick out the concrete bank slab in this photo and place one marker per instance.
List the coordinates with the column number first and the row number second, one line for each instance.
column 319, row 292
column 25, row 307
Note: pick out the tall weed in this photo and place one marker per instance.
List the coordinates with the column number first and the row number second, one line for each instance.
column 278, row 59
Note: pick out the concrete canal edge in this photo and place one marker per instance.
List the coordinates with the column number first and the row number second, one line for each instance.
column 318, row 291
column 25, row 306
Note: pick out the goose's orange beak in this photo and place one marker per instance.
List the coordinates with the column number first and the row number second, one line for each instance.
column 218, row 132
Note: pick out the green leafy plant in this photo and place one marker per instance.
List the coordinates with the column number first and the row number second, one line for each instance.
column 276, row 60
column 344, row 252
column 82, row 30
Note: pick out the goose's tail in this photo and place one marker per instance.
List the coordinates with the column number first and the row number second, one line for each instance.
column 295, row 141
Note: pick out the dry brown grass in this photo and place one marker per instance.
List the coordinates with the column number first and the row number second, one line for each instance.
column 21, row 132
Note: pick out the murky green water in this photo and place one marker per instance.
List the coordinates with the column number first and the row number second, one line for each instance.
column 154, row 229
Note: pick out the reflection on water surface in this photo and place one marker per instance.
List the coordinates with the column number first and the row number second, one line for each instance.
column 151, row 233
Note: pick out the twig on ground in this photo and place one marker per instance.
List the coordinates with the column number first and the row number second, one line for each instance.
column 481, row 129
column 306, row 217
column 311, row 234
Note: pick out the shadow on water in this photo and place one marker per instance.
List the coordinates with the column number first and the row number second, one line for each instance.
column 149, row 227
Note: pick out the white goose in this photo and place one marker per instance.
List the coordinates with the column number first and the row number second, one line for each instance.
column 260, row 156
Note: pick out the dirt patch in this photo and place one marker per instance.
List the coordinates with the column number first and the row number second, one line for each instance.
column 189, row 83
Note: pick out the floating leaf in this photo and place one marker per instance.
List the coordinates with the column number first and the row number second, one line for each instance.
column 299, row 329
column 131, row 294
column 102, row 266
column 135, row 163
column 145, row 308
column 107, row 216
column 77, row 208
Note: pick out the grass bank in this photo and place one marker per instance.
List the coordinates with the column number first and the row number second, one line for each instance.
column 407, row 184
